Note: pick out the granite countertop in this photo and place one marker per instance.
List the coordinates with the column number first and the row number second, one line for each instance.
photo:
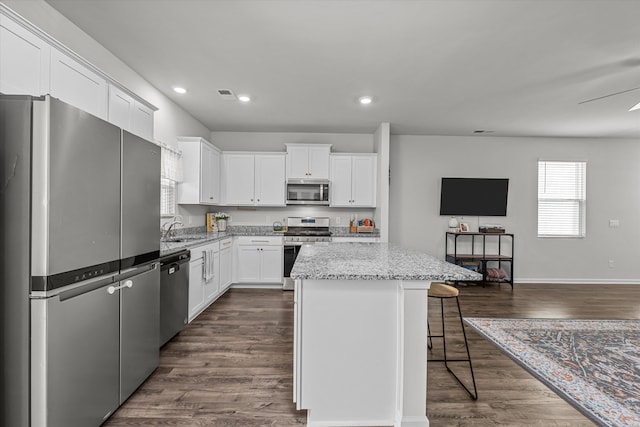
column 374, row 261
column 198, row 236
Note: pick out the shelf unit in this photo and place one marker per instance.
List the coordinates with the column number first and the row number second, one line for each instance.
column 484, row 250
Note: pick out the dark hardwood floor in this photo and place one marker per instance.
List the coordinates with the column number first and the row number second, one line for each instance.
column 232, row 366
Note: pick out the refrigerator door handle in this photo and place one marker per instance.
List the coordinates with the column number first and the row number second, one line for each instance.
column 127, row 284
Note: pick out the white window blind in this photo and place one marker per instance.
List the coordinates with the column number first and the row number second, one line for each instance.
column 562, row 199
column 170, row 174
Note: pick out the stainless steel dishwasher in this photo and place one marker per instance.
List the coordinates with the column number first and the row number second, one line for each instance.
column 174, row 294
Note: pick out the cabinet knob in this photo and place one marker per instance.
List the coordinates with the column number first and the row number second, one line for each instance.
column 211, row 198
column 258, row 199
column 252, row 200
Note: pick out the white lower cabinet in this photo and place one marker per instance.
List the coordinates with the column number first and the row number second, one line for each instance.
column 226, row 263
column 204, row 277
column 260, row 259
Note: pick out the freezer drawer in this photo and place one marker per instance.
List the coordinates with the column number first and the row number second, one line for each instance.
column 74, row 357
column 139, row 329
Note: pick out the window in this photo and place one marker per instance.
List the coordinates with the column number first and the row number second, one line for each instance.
column 561, row 199
column 170, row 175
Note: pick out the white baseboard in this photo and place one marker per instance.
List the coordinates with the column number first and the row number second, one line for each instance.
column 257, row 286
column 565, row 281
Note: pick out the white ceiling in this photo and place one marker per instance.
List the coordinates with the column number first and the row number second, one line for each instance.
column 515, row 67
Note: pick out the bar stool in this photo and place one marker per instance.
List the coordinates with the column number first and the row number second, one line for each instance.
column 442, row 292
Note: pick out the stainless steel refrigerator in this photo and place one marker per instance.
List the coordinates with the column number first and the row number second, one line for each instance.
column 79, row 297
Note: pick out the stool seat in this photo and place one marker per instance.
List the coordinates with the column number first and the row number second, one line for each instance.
column 440, row 290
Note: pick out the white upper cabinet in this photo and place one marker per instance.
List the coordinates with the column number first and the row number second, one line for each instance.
column 353, row 180
column 24, row 60
column 200, row 183
column 130, row 114
column 77, row 85
column 308, row 161
column 238, row 179
column 33, row 63
column 142, row 120
column 270, row 179
column 252, row 179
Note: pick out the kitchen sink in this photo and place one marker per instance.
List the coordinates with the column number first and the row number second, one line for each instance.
column 182, row 239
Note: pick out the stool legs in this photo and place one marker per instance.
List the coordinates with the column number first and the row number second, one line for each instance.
column 446, row 360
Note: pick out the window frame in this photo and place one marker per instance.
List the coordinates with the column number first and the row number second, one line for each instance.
column 579, row 183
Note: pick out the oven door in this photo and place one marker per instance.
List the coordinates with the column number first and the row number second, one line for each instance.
column 291, row 250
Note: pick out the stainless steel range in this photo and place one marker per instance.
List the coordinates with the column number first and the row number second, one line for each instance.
column 302, row 231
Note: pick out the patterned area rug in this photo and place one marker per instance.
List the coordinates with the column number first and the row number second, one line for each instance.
column 593, row 364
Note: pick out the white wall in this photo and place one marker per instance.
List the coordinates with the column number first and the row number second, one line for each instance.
column 170, row 119
column 613, row 192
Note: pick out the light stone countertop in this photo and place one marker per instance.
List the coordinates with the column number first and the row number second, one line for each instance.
column 374, row 261
column 199, row 237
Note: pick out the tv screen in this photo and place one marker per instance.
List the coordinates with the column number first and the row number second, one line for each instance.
column 474, row 196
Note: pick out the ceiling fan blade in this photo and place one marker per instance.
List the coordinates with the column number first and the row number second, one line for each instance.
column 611, row 94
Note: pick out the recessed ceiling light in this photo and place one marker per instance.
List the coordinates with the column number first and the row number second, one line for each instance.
column 635, row 107
column 179, row 89
column 365, row 100
column 244, row 98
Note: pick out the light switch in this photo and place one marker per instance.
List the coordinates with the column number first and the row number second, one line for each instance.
column 614, row 223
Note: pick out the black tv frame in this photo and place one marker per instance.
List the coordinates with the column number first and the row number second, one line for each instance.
column 474, row 196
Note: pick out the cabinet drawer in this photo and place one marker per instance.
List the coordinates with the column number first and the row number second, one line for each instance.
column 260, row 240
column 226, row 243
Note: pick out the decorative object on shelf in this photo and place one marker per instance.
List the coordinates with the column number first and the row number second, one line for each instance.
column 277, row 226
column 464, row 227
column 211, row 222
column 453, row 224
column 365, row 226
column 221, row 220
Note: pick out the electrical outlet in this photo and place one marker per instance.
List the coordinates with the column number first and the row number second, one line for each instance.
column 614, row 223
column 337, row 220
column 612, row 263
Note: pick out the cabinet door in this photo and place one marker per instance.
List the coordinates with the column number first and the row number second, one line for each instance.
column 206, row 174
column 142, row 120
column 297, row 162
column 214, row 165
column 239, row 179
column 212, row 287
column 24, row 60
column 196, row 292
column 363, row 181
column 272, row 264
column 139, row 330
column 340, row 191
column 77, row 85
column 225, row 264
column 249, row 264
column 270, row 180
column 120, row 108
column 319, row 162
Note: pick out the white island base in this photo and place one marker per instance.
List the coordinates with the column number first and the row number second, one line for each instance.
column 360, row 352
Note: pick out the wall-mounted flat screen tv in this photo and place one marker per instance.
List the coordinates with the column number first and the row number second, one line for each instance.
column 474, row 196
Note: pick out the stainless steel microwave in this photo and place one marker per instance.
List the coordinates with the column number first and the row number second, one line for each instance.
column 308, row 192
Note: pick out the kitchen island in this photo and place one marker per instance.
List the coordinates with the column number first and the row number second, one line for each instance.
column 360, row 332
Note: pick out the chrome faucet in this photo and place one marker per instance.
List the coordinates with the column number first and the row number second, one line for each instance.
column 169, row 229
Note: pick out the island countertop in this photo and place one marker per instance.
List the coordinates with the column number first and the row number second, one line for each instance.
column 373, row 261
